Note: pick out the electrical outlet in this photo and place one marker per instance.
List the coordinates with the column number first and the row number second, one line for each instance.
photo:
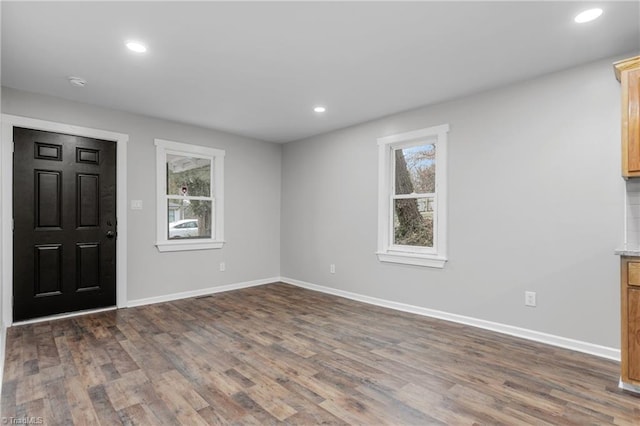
column 223, row 267
column 332, row 268
column 136, row 204
column 530, row 298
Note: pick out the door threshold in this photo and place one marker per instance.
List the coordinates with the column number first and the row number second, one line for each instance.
column 63, row 316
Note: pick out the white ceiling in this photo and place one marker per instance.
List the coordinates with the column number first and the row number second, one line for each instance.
column 257, row 69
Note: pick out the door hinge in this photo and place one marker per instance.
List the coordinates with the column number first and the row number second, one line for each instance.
column 13, row 224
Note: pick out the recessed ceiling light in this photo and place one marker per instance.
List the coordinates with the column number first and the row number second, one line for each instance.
column 588, row 15
column 319, row 109
column 136, row 47
column 77, row 81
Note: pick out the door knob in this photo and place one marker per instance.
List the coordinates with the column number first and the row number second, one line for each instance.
column 110, row 234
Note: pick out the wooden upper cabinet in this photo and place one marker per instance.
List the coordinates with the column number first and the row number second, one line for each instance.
column 628, row 74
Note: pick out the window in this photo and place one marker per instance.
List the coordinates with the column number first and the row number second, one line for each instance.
column 190, row 196
column 412, row 197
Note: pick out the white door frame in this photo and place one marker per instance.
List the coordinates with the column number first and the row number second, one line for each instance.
column 6, row 195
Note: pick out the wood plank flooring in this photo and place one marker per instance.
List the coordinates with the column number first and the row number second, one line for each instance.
column 279, row 354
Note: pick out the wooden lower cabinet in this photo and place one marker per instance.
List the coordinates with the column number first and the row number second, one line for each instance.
column 633, row 333
column 630, row 304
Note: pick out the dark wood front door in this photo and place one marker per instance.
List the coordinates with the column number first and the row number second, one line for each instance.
column 64, row 240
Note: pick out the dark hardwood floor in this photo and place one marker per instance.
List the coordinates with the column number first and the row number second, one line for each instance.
column 280, row 354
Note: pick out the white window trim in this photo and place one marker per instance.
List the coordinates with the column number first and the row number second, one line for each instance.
column 435, row 257
column 217, row 157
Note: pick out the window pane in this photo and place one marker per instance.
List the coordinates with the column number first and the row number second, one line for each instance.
column 191, row 218
column 416, row 169
column 188, row 176
column 413, row 222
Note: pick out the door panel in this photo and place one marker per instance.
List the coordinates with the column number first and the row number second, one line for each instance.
column 48, row 270
column 48, row 151
column 64, row 204
column 48, row 197
column 87, row 204
column 88, row 264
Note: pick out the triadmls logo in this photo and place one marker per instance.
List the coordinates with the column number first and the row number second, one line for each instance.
column 23, row 420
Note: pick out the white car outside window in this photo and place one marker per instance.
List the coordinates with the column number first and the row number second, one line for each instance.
column 186, row 228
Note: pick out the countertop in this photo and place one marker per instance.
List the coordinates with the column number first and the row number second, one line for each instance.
column 631, row 250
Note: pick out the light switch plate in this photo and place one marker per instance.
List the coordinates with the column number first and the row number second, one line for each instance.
column 530, row 298
column 136, row 204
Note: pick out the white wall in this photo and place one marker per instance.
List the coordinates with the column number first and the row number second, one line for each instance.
column 2, row 325
column 535, row 203
column 252, row 198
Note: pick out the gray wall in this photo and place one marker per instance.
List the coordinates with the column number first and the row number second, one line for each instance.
column 252, row 198
column 535, row 203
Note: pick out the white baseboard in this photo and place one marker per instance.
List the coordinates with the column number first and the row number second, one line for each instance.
column 3, row 342
column 629, row 387
column 200, row 292
column 536, row 336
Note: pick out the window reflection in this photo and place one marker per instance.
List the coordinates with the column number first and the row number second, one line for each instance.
column 188, row 176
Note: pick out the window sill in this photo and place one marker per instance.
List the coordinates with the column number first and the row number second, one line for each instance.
column 427, row 260
column 188, row 245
